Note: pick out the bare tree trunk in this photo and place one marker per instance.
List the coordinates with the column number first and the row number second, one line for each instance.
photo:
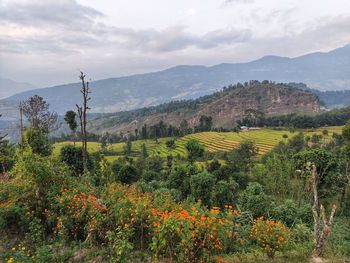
column 21, row 122
column 82, row 116
column 320, row 238
column 315, row 205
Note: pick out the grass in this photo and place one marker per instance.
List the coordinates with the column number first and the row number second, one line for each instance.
column 265, row 140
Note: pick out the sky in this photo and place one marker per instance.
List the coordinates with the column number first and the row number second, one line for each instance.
column 47, row 42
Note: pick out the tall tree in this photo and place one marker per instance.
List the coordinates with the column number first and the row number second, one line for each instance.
column 82, row 110
column 6, row 154
column 194, row 149
column 36, row 110
column 69, row 117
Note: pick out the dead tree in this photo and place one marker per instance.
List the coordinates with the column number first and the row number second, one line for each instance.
column 82, row 110
column 320, row 235
column 21, row 122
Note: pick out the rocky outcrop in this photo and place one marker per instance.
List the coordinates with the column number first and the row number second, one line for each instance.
column 226, row 108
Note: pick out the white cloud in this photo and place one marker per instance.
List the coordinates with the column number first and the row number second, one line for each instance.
column 45, row 42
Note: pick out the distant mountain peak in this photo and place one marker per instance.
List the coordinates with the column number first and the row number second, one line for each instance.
column 323, row 71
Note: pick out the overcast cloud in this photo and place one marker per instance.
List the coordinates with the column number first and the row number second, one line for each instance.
column 45, row 42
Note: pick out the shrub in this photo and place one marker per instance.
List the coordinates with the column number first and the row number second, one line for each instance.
column 182, row 231
column 72, row 156
column 128, row 174
column 38, row 142
column 254, row 199
column 202, row 185
column 224, row 193
column 270, row 235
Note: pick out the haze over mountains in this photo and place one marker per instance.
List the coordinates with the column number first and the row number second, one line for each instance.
column 9, row 87
column 323, row 71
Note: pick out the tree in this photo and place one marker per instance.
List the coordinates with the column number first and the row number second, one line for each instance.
column 37, row 140
column 201, row 186
column 224, row 193
column 128, row 174
column 71, row 156
column 320, row 237
column 105, row 140
column 170, row 160
column 170, row 144
column 254, row 199
column 184, row 129
column 195, row 150
column 128, row 147
column 241, row 158
column 82, row 110
column 36, row 110
column 69, row 117
column 205, row 123
column 214, row 165
column 154, row 163
column 7, row 152
column 179, row 179
column 144, row 132
column 144, row 151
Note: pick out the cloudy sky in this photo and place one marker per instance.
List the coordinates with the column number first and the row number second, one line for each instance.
column 46, row 42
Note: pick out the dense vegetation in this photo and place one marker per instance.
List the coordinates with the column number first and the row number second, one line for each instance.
column 240, row 206
column 334, row 117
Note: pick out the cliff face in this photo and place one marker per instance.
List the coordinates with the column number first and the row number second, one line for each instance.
column 225, row 108
column 270, row 100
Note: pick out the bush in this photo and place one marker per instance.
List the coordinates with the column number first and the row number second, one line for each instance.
column 224, row 193
column 254, row 199
column 38, row 141
column 128, row 174
column 270, row 235
column 185, row 232
column 72, row 156
column 202, row 185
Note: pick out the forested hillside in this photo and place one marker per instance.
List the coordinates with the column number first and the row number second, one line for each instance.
column 225, row 108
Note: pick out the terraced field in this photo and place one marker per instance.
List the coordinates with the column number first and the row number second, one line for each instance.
column 265, row 140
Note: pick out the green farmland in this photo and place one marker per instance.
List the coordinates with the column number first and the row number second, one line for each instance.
column 214, row 142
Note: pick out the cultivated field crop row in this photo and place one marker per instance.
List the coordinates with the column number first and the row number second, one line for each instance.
column 265, row 140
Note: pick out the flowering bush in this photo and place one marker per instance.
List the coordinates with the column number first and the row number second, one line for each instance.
column 78, row 213
column 12, row 211
column 183, row 231
column 270, row 235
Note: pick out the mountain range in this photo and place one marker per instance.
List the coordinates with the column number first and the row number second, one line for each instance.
column 10, row 87
column 323, row 71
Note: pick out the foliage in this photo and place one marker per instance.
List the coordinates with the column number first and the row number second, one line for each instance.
column 159, row 208
column 128, row 147
column 69, row 117
column 185, row 232
column 254, row 199
column 7, row 154
column 38, row 141
column 201, row 187
column 194, row 149
column 128, row 174
column 270, row 235
column 72, row 156
column 36, row 109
